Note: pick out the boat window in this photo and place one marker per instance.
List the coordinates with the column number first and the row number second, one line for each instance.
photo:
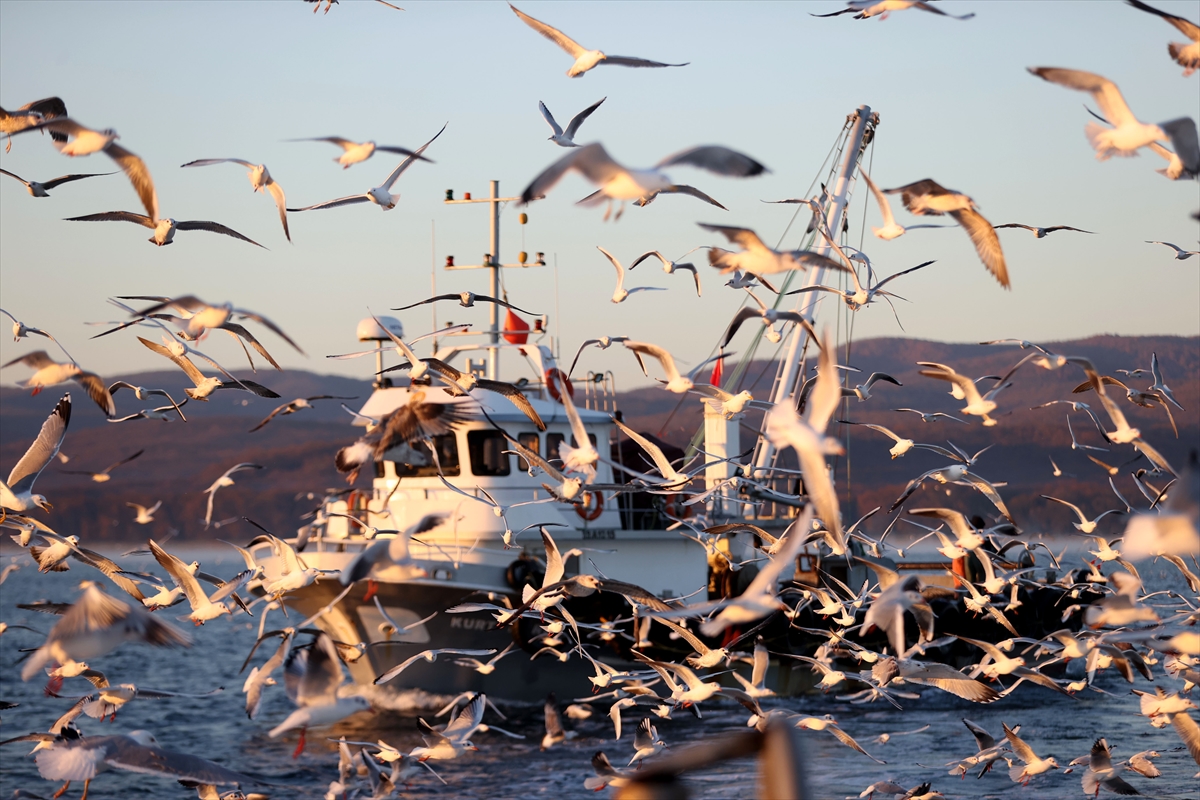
column 487, row 453
column 553, row 440
column 416, row 461
column 591, row 438
column 530, row 442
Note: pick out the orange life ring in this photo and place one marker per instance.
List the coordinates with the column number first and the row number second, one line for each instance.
column 555, row 376
column 586, row 510
column 357, row 501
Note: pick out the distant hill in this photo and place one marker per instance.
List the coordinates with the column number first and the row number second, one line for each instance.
column 182, row 459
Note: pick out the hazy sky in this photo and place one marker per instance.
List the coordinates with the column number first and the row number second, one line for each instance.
column 187, row 80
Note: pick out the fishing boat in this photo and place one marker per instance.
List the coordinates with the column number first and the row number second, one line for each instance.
column 477, row 555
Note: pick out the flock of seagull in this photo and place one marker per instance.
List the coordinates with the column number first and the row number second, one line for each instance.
column 1112, row 625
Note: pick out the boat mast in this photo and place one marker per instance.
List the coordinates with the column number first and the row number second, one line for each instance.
column 491, row 262
column 790, row 377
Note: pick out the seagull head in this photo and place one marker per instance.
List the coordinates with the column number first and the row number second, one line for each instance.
column 41, row 502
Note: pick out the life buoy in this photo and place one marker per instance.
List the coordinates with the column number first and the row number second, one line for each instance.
column 675, row 506
column 555, row 376
column 357, row 501
column 586, row 509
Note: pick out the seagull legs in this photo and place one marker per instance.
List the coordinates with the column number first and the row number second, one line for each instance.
column 300, row 745
column 86, row 784
column 62, row 790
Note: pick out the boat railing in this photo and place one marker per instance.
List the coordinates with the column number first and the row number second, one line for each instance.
column 600, row 392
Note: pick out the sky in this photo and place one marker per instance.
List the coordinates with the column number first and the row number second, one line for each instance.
column 181, row 81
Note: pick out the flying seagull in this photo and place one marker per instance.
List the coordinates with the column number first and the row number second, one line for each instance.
column 260, row 181
column 928, row 198
column 1128, row 135
column 617, row 182
column 567, row 138
column 32, row 114
column 295, row 405
column 466, row 300
column 164, row 229
column 584, row 59
column 356, row 152
column 47, row 372
column 1180, row 253
column 42, row 189
column 16, row 494
column 1041, row 232
column 865, row 9
column 1186, row 55
column 381, row 195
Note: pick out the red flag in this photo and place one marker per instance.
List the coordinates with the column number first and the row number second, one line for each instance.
column 516, row 330
column 717, row 373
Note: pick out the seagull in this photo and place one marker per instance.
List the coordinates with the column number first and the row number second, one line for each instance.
column 620, row 293
column 670, row 267
column 645, row 742
column 769, row 317
column 827, row 723
column 677, row 383
column 584, row 59
column 597, row 197
column 313, row 676
column 144, row 515
column 204, row 608
column 361, row 151
column 927, row 197
column 16, row 494
column 977, row 404
column 567, row 138
column 1032, row 764
column 617, row 182
column 142, row 393
column 20, row 330
column 891, row 229
column 930, row 416
column 203, row 316
column 381, row 195
column 1041, row 232
column 48, row 372
column 138, row 751
column 459, row 384
column 466, row 300
column 260, row 181
column 95, row 625
column 32, row 114
column 1127, row 135
column 1084, row 525
column 1180, row 253
column 555, row 732
column 485, row 668
column 455, row 739
column 388, row 558
column 901, row 446
column 42, row 189
column 412, row 422
column 204, row 386
column 85, row 141
column 863, row 391
column 298, row 404
column 164, row 229
column 756, row 258
column 606, row 774
column 955, row 474
column 604, row 342
column 1186, row 55
column 105, row 474
column 222, row 482
column 865, row 9
column 862, row 295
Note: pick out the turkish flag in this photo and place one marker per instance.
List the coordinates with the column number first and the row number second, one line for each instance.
column 717, row 373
